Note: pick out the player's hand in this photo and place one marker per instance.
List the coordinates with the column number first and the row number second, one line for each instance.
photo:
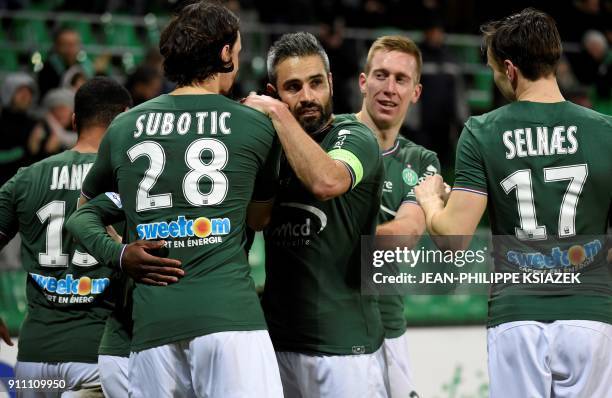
column 431, row 188
column 263, row 103
column 447, row 192
column 4, row 333
column 140, row 261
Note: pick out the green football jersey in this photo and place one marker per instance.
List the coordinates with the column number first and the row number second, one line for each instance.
column 312, row 298
column 117, row 337
column 67, row 289
column 185, row 168
column 406, row 164
column 546, row 170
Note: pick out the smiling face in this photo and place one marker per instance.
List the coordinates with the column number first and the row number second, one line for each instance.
column 389, row 88
column 304, row 85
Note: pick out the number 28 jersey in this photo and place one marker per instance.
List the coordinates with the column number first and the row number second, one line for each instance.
column 546, row 169
column 67, row 289
column 185, row 167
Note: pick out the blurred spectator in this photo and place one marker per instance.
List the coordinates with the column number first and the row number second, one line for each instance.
column 53, row 133
column 18, row 94
column 583, row 16
column 344, row 65
column 65, row 54
column 593, row 66
column 144, row 84
column 443, row 107
column 155, row 60
column 74, row 78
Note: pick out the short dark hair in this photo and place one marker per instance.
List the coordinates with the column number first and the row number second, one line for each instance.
column 98, row 101
column 191, row 44
column 143, row 74
column 529, row 39
column 63, row 30
column 300, row 44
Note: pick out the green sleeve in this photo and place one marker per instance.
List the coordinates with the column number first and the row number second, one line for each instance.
column 429, row 165
column 266, row 182
column 354, row 145
column 100, row 177
column 9, row 225
column 88, row 226
column 469, row 166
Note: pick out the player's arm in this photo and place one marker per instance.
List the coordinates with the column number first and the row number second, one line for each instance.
column 88, row 226
column 322, row 175
column 9, row 224
column 259, row 211
column 460, row 215
column 409, row 223
column 4, row 333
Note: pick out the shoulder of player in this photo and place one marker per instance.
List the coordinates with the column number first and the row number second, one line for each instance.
column 348, row 126
column 591, row 114
column 478, row 123
column 254, row 114
column 408, row 148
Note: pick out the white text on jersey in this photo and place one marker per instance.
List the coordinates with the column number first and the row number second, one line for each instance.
column 522, row 142
column 164, row 123
column 69, row 177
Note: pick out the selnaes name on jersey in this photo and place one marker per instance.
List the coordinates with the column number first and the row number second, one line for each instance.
column 165, row 123
column 541, row 141
column 69, row 176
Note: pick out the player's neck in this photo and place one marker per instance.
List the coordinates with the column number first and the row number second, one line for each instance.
column 544, row 90
column 89, row 140
column 209, row 86
column 386, row 137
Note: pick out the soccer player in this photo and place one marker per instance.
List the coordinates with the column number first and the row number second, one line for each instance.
column 327, row 335
column 542, row 165
column 185, row 166
column 67, row 289
column 389, row 85
column 88, row 224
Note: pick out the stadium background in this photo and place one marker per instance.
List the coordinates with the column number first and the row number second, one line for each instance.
column 119, row 39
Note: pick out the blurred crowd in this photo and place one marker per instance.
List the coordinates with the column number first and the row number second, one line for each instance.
column 35, row 121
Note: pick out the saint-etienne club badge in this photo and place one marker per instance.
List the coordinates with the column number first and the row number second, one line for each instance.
column 410, row 177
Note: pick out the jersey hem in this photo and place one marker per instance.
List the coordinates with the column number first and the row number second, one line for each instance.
column 324, row 349
column 114, row 352
column 549, row 317
column 146, row 344
column 479, row 191
column 394, row 333
column 54, row 359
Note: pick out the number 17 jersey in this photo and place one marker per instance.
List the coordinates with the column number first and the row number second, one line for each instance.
column 185, row 167
column 546, row 169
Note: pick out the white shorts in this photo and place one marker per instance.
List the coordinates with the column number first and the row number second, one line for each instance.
column 82, row 379
column 114, row 375
column 562, row 359
column 333, row 376
column 399, row 369
column 217, row 365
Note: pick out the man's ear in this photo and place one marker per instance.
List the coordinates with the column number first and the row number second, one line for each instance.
column 362, row 83
column 226, row 58
column 271, row 90
column 418, row 89
column 74, row 128
column 331, row 83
